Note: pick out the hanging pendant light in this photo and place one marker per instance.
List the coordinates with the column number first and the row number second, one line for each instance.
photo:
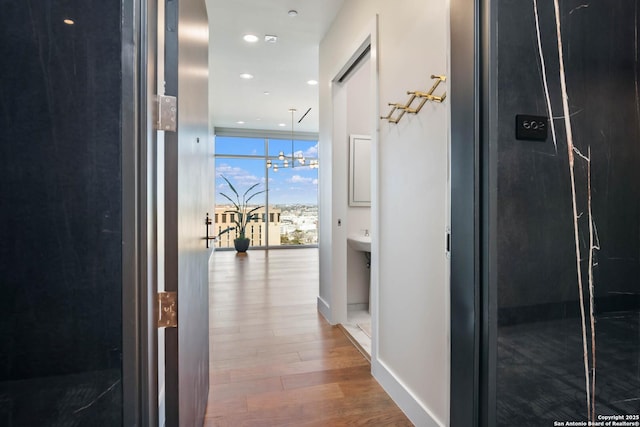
column 284, row 159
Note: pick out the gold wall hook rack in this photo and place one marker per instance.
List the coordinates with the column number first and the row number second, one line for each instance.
column 423, row 96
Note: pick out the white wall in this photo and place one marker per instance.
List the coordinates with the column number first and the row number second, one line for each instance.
column 410, row 281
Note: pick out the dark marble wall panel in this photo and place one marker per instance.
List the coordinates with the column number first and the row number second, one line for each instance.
column 540, row 373
column 535, row 226
column 60, row 209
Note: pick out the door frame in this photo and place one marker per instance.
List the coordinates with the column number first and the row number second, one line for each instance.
column 150, row 221
column 365, row 47
column 139, row 282
column 473, row 183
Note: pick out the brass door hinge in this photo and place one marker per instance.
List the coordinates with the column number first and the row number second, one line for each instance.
column 167, row 310
column 166, row 113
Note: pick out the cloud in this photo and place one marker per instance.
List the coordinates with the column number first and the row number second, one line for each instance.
column 297, row 179
column 238, row 176
column 312, row 151
column 309, row 152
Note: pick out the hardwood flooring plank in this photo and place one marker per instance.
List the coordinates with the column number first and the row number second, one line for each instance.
column 347, row 350
column 292, row 397
column 218, row 377
column 255, row 361
column 225, row 406
column 245, row 388
column 296, row 368
column 350, row 407
column 274, row 360
column 272, row 341
column 240, row 336
column 325, row 377
column 374, row 419
column 218, row 352
column 247, row 349
column 276, row 417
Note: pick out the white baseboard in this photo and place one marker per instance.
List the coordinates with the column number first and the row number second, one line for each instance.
column 324, row 309
column 413, row 409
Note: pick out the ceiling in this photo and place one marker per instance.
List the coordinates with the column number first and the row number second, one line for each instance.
column 281, row 70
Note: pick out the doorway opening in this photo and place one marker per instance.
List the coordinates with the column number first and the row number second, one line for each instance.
column 353, row 91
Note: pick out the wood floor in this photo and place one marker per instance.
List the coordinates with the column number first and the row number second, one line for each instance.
column 274, row 360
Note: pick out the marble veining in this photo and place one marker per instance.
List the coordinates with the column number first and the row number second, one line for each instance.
column 569, row 227
column 571, row 151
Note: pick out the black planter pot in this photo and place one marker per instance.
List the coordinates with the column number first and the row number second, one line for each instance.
column 241, row 244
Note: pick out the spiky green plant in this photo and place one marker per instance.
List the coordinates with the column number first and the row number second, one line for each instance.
column 243, row 213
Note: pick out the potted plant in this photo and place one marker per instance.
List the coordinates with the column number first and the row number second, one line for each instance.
column 242, row 214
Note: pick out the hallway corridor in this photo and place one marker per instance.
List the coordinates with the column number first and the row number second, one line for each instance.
column 274, row 360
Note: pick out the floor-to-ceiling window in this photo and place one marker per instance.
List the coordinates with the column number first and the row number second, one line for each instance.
column 285, row 172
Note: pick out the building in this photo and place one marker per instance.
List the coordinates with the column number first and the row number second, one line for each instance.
column 257, row 230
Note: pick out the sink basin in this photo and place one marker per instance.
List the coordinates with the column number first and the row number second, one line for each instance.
column 359, row 242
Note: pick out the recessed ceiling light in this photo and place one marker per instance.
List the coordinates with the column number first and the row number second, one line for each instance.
column 266, row 92
column 250, row 38
column 270, row 38
column 240, row 122
column 246, row 76
column 282, row 124
column 292, row 12
column 312, row 82
column 68, row 21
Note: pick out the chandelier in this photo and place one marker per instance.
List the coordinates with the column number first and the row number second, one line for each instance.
column 286, row 161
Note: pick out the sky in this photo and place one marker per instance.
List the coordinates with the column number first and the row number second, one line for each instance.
column 298, row 185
